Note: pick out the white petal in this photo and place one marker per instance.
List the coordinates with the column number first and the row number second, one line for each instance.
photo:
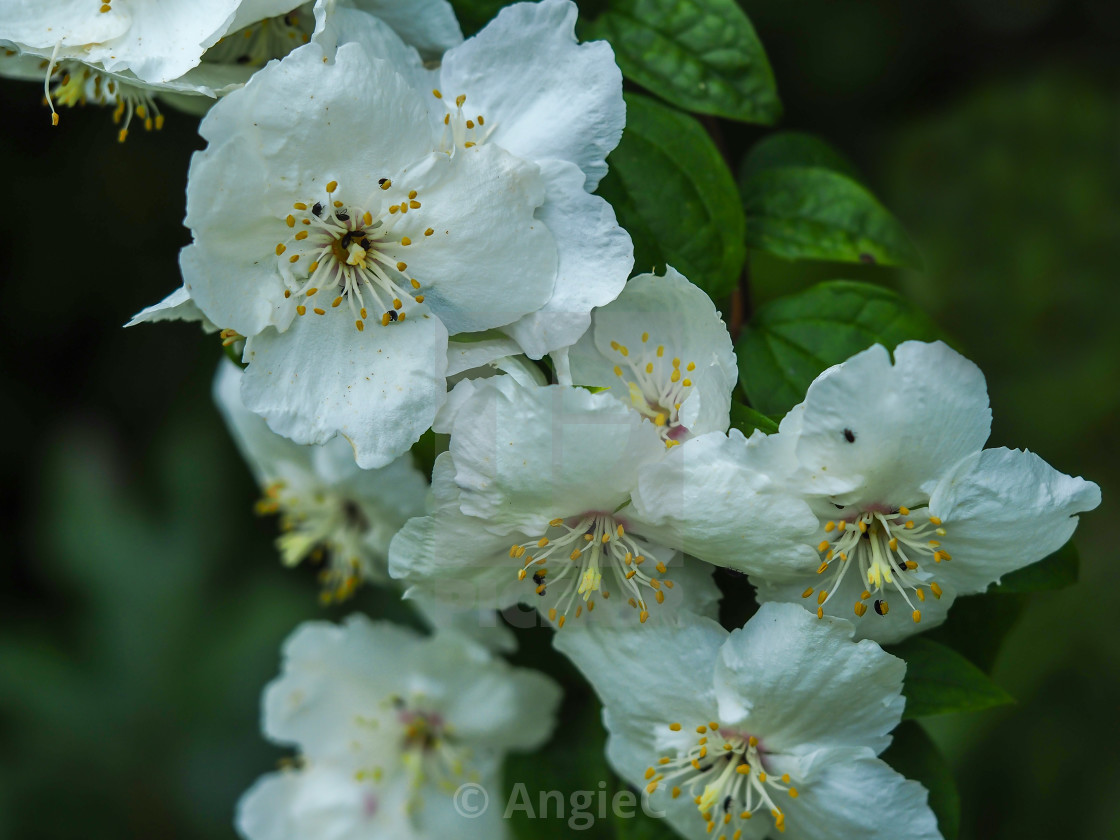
column 442, row 815
column 546, row 95
column 893, row 627
column 673, row 313
column 380, row 389
column 850, row 794
column 242, row 187
column 1004, row 509
column 649, row 676
column 71, row 23
column 292, row 805
column 342, row 24
column 177, row 306
column 799, row 683
column 467, row 351
column 489, row 261
column 489, row 704
column 595, row 256
column 452, row 558
column 428, row 25
column 706, row 498
column 332, row 674
column 165, row 40
column 267, row 453
column 526, row 455
column 483, row 627
column 907, row 423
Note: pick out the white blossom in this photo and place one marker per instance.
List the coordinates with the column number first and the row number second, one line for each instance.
column 531, row 505
column 388, row 724
column 324, row 205
column 330, row 511
column 129, row 54
column 775, row 726
column 910, row 511
column 663, row 349
column 525, row 84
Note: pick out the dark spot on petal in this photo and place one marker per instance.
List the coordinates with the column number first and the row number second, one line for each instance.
column 849, row 436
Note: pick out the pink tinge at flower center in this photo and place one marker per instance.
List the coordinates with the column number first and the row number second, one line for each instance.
column 724, row 772
column 657, row 385
column 583, row 555
column 890, row 546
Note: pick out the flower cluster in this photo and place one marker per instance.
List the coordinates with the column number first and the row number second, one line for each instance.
column 396, row 232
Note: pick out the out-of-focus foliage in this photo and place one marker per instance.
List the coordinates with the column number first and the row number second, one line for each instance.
column 135, row 644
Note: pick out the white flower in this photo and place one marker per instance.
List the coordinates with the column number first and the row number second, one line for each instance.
column 126, row 53
column 525, row 84
column 532, row 506
column 318, row 210
column 330, row 511
column 774, row 726
column 663, row 349
column 911, row 512
column 388, row 724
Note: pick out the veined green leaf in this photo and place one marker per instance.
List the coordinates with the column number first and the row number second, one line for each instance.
column 789, row 341
column 672, row 191
column 700, row 55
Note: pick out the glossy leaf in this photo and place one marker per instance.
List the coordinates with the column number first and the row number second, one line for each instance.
column 941, row 681
column 789, row 341
column 672, row 191
column 813, row 213
column 700, row 55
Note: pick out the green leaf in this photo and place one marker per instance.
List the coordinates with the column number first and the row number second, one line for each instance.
column 813, row 213
column 913, row 754
column 940, row 681
column 794, row 148
column 700, row 55
column 789, row 341
column 977, row 626
column 1057, row 571
column 672, row 191
column 746, row 420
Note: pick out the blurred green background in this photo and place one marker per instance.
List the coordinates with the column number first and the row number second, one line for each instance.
column 141, row 603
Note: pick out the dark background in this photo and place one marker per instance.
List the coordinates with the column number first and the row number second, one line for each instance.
column 141, row 603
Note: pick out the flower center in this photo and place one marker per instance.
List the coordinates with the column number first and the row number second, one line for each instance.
column 341, row 252
column 459, row 130
column 71, row 83
column 888, row 546
column 656, row 384
column 586, row 555
column 428, row 747
column 326, row 528
column 726, row 778
column 260, row 42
